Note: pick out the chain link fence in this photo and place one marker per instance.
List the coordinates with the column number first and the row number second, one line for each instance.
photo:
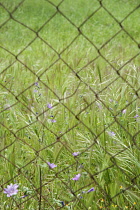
column 46, row 156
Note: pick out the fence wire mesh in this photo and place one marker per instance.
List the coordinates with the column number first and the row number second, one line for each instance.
column 70, row 104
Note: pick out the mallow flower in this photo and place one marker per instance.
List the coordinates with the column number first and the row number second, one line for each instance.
column 51, row 165
column 11, row 190
column 77, row 177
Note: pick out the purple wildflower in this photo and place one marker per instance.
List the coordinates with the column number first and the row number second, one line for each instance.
column 36, row 83
column 51, row 165
column 35, row 91
column 24, row 196
column 79, row 195
column 136, row 116
column 62, row 203
column 98, row 105
column 75, row 154
column 77, row 177
column 111, row 133
column 90, row 190
column 11, row 190
column 53, row 121
column 49, row 106
column 124, row 111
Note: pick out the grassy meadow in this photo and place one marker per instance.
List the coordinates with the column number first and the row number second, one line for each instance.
column 70, row 95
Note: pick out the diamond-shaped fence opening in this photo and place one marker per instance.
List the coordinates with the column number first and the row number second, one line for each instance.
column 18, row 38
column 5, row 15
column 69, row 104
column 37, row 14
column 73, row 13
column 62, row 29
column 34, row 61
column 79, row 61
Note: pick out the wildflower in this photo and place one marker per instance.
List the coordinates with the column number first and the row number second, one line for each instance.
column 35, row 91
column 121, row 187
column 36, row 84
column 83, row 192
column 49, row 106
column 11, row 190
column 79, row 196
column 98, row 105
column 136, row 116
column 75, row 154
column 90, row 190
column 53, row 121
column 102, row 200
column 24, row 196
column 124, row 111
column 77, row 177
column 114, row 205
column 134, row 203
column 62, row 203
column 111, row 133
column 51, row 165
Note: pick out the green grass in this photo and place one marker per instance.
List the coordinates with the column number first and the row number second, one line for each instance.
column 89, row 82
